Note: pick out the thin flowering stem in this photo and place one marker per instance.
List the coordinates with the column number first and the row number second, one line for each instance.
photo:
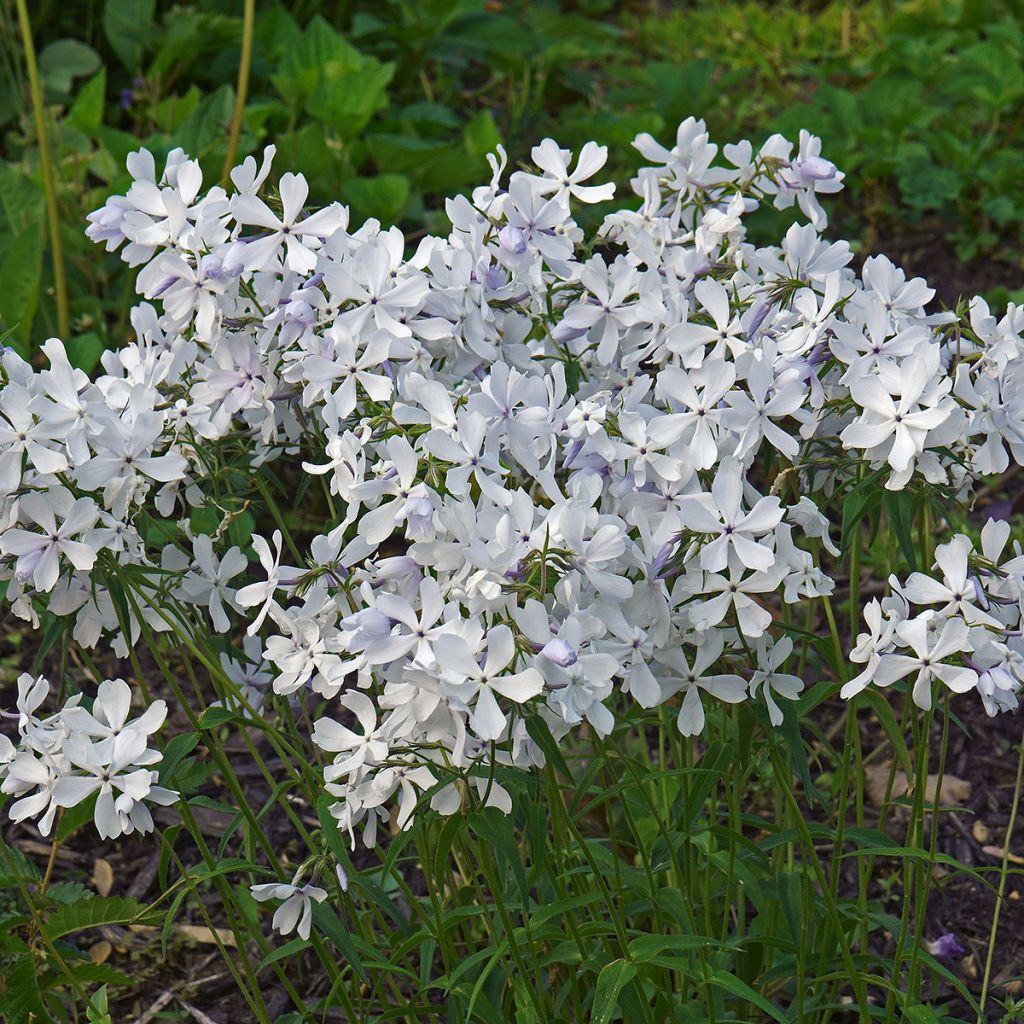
column 927, row 874
column 807, row 844
column 255, row 1001
column 242, row 89
column 1018, row 788
column 52, row 859
column 914, row 840
column 60, row 283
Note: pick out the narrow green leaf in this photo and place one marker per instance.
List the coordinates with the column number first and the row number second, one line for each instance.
column 887, row 719
column 495, row 829
column 285, row 951
column 647, row 947
column 177, row 748
column 610, row 982
column 731, row 984
column 330, row 924
column 899, row 507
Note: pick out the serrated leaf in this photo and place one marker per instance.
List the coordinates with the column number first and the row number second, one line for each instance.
column 22, row 1001
column 91, row 914
column 336, row 83
column 69, row 892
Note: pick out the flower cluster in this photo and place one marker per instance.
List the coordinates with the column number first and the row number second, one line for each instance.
column 66, row 758
column 559, row 473
column 967, row 634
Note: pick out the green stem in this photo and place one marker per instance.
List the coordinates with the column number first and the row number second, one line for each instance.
column 914, row 838
column 60, row 284
column 1003, row 871
column 921, row 897
column 856, row 980
column 248, row 22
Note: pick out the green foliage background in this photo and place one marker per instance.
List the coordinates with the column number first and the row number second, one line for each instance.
column 392, row 106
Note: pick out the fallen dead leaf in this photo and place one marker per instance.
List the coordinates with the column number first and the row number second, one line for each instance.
column 980, row 831
column 198, row 933
column 162, row 1000
column 197, row 1014
column 99, row 952
column 102, row 876
column 997, row 852
column 955, row 792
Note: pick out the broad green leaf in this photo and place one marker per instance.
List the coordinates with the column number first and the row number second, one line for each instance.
column 128, row 26
column 790, row 732
column 328, row 922
column 383, row 196
column 207, row 126
column 214, row 717
column 86, row 112
column 85, row 350
column 21, row 200
column 480, row 135
column 20, row 272
column 715, row 763
column 859, row 503
column 335, row 82
column 649, row 947
column 285, row 951
column 75, row 818
column 64, row 60
column 920, row 1014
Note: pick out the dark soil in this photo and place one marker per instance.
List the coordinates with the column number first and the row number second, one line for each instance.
column 924, row 251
